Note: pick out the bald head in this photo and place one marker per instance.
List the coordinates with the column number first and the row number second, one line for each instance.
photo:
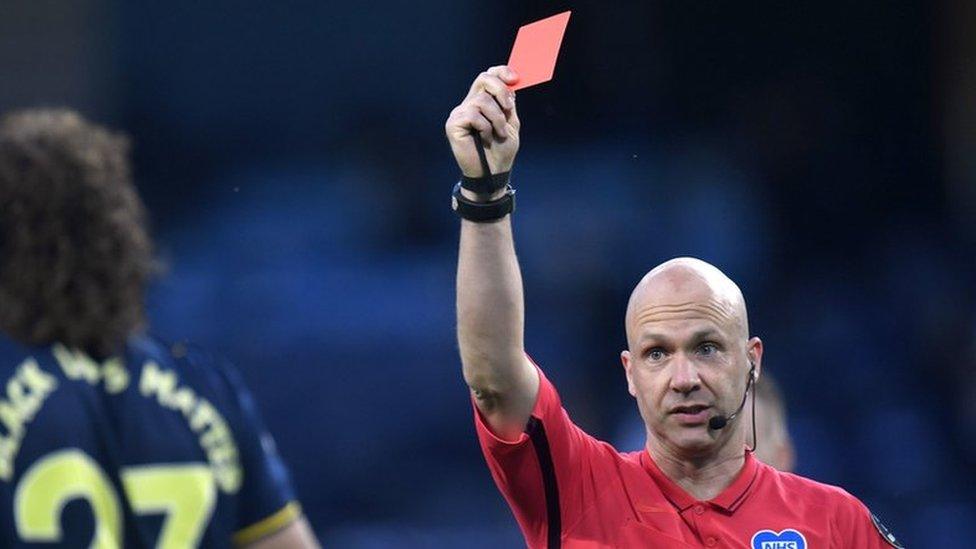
column 684, row 285
column 688, row 345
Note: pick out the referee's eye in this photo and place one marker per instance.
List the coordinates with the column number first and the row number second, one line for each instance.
column 655, row 354
column 708, row 348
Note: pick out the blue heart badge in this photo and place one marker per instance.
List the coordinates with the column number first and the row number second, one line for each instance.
column 787, row 539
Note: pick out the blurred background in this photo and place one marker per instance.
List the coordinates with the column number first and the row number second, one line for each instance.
column 292, row 155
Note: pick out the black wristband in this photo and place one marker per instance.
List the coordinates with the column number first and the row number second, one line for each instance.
column 488, row 184
column 482, row 212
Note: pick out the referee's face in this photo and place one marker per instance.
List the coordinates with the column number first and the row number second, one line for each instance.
column 687, row 360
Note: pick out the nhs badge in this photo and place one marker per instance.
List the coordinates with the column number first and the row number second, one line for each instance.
column 787, row 539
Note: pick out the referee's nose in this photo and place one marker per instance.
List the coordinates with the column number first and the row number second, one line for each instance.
column 684, row 375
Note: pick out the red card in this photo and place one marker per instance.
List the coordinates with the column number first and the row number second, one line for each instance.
column 535, row 50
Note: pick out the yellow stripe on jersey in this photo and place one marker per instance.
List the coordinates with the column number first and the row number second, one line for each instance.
column 269, row 525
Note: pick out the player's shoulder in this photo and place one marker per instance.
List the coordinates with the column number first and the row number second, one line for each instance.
column 180, row 354
column 811, row 491
column 186, row 358
column 12, row 353
column 140, row 349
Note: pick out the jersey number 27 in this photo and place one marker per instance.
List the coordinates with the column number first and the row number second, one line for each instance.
column 185, row 493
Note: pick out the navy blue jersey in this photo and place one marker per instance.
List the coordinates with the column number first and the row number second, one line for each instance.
column 160, row 447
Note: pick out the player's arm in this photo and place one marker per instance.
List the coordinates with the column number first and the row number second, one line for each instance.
column 268, row 513
column 297, row 535
column 490, row 308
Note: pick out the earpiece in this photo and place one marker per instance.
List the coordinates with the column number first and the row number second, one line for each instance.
column 719, row 422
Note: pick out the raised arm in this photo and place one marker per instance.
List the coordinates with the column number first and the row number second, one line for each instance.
column 490, row 308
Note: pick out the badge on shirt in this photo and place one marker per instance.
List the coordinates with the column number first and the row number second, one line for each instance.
column 886, row 533
column 787, row 539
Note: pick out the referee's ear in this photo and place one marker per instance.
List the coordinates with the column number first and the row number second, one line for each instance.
column 625, row 360
column 754, row 350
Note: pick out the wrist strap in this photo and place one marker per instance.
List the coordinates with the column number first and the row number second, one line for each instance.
column 482, row 212
column 488, row 183
column 485, row 168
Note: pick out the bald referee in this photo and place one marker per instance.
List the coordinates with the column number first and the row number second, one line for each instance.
column 690, row 365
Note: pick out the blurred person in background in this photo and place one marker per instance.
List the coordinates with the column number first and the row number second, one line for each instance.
column 110, row 437
column 690, row 364
column 773, row 445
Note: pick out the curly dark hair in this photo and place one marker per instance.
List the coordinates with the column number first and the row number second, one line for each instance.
column 75, row 251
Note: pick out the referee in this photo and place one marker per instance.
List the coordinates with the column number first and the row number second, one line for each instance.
column 690, row 365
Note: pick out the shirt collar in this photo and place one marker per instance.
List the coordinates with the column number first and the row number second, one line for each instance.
column 729, row 499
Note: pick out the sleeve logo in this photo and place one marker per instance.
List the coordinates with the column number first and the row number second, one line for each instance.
column 786, row 539
column 886, row 533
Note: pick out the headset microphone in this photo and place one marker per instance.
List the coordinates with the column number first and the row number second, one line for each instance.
column 719, row 422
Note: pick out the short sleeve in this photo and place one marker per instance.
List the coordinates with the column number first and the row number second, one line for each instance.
column 859, row 527
column 266, row 501
column 546, row 474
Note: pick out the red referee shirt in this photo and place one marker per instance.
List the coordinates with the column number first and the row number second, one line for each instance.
column 569, row 490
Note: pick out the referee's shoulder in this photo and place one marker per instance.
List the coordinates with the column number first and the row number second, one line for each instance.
column 795, row 486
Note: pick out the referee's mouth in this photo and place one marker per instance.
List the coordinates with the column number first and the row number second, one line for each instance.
column 691, row 414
